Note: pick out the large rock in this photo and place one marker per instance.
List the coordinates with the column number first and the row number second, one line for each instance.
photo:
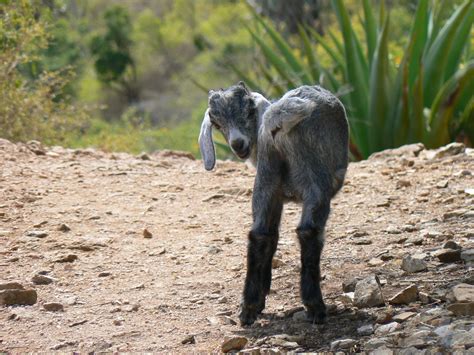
column 408, row 151
column 448, row 150
column 18, row 297
column 343, row 344
column 462, row 309
column 406, row 296
column 414, row 263
column 368, row 293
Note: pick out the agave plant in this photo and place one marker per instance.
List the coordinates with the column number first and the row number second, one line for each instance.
column 428, row 97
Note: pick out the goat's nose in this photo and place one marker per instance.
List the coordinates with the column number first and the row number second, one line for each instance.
column 237, row 144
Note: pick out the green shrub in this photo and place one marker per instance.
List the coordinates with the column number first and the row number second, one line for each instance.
column 427, row 97
column 30, row 109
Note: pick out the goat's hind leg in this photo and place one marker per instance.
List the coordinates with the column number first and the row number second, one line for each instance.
column 263, row 240
column 311, row 238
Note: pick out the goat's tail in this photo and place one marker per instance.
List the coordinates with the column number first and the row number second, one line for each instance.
column 287, row 113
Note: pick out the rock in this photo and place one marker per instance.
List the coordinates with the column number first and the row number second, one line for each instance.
column 406, row 296
column 39, row 279
column 375, row 262
column 349, row 285
column 365, row 330
column 451, row 244
column 468, row 255
column 233, row 344
column 300, row 316
column 454, row 214
column 347, row 298
column 393, row 230
column 403, row 183
column 343, row 344
column 143, row 156
column 367, row 293
column 375, row 343
column 214, row 250
column 147, row 234
column 13, row 285
column 67, row 258
column 277, row 262
column 11, row 297
column 413, row 264
column 37, row 234
column 448, row 255
column 53, row 307
column 418, row 339
column 401, row 317
column 387, row 328
column 463, row 293
column 407, row 151
column 64, row 228
column 462, row 309
column 424, row 297
column 449, row 150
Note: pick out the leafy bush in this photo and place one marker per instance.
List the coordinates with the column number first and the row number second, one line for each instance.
column 426, row 98
column 30, row 109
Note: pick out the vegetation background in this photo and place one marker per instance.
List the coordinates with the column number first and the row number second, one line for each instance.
column 133, row 75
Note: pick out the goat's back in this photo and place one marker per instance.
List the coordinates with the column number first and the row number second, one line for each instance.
column 316, row 148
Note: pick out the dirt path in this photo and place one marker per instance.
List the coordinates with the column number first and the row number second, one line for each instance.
column 124, row 292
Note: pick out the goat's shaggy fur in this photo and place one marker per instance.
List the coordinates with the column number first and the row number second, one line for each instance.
column 299, row 145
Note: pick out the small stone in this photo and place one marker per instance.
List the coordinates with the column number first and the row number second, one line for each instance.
column 144, row 156
column 413, row 264
column 418, row 339
column 67, row 258
column 375, row 262
column 104, row 274
column 118, row 321
column 64, row 228
column 39, row 279
column 343, row 344
column 214, row 250
column 349, row 285
column 454, row 214
column 365, row 330
column 300, row 316
column 403, row 183
column 347, row 298
column 424, row 297
column 463, row 293
column 222, row 300
column 11, row 297
column 462, row 309
column 233, row 344
column 13, row 285
column 53, row 307
column 37, row 234
column 448, row 255
column 401, row 317
column 442, row 184
column 406, row 296
column 387, row 328
column 147, row 234
column 363, row 241
column 468, row 255
column 385, row 316
column 393, row 230
column 375, row 343
column 277, row 262
column 451, row 244
column 368, row 293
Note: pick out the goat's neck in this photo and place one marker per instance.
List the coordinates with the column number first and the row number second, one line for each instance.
column 262, row 104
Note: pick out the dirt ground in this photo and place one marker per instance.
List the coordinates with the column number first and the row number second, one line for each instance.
column 124, row 289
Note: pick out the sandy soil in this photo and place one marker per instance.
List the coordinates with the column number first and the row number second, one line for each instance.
column 130, row 292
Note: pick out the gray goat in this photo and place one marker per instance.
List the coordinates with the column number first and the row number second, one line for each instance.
column 299, row 145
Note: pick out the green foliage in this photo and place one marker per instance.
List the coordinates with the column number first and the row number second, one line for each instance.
column 426, row 97
column 30, row 108
column 113, row 53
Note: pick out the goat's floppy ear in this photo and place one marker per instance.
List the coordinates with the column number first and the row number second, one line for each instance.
column 206, row 144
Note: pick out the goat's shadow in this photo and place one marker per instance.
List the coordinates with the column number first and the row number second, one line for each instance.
column 310, row 337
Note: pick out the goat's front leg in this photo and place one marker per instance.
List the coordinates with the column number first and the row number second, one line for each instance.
column 267, row 206
column 311, row 238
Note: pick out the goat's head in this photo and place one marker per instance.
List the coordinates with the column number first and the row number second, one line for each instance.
column 233, row 112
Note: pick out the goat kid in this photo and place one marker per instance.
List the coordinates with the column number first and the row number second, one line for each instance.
column 299, row 145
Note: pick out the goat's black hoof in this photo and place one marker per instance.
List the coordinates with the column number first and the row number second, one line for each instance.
column 249, row 313
column 316, row 315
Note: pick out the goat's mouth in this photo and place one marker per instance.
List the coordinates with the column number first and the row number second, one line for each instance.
column 244, row 154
